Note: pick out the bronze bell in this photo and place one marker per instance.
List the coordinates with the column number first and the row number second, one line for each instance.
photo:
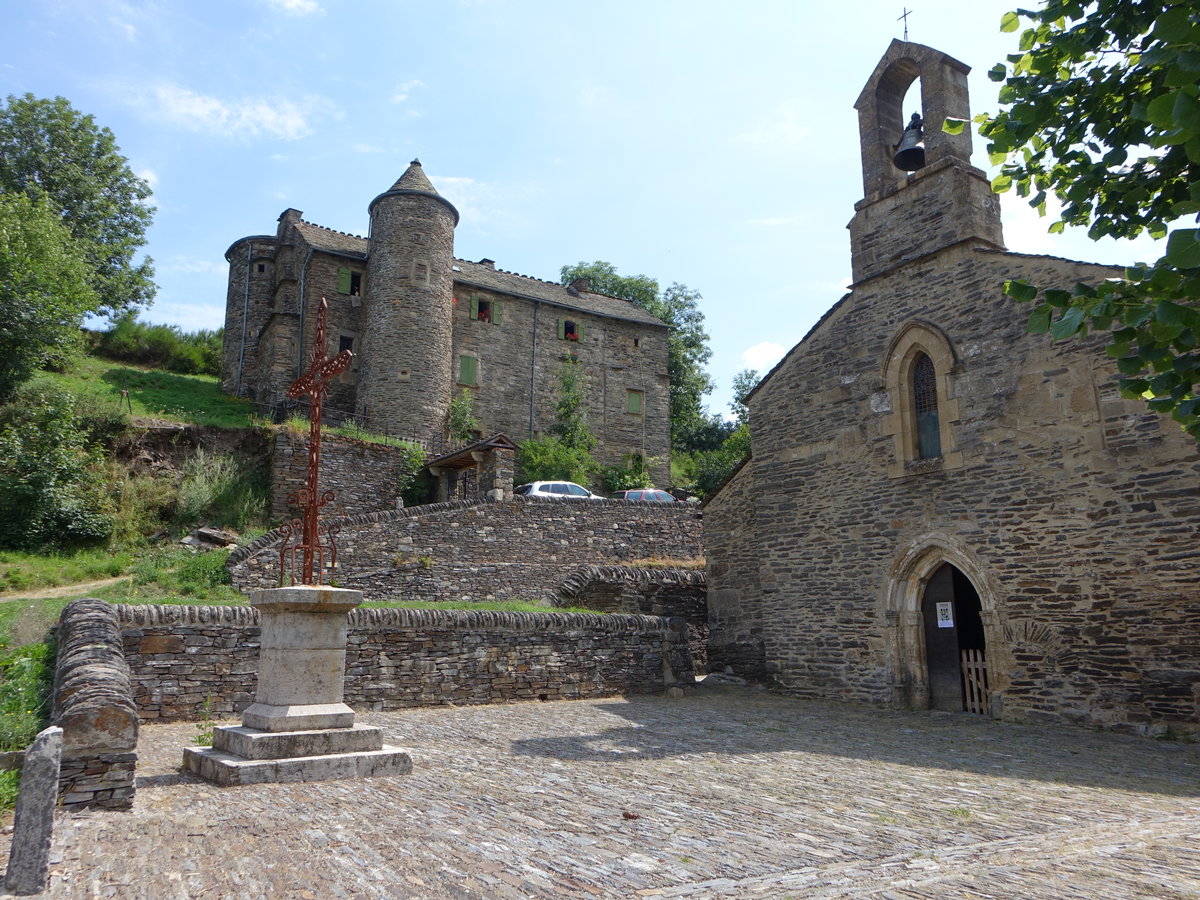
column 910, row 152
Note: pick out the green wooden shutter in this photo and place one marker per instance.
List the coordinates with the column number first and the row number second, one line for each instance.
column 633, row 402
column 343, row 281
column 474, row 307
column 579, row 331
column 468, row 370
column 495, row 312
column 562, row 330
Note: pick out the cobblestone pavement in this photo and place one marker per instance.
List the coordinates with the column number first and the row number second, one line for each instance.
column 727, row 794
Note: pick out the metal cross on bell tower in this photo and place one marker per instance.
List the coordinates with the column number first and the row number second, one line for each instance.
column 302, row 535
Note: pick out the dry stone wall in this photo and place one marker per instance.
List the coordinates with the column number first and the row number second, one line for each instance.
column 183, row 658
column 516, row 549
column 93, row 704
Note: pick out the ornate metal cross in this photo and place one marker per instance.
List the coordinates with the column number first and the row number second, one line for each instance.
column 314, row 383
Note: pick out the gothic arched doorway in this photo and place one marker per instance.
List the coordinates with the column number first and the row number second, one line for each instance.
column 954, row 642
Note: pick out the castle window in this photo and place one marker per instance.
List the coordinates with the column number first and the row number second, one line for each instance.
column 349, row 282
column 468, row 370
column 485, row 310
column 570, row 330
column 925, row 406
column 262, row 267
column 345, row 343
column 637, row 342
column 635, row 402
column 421, row 271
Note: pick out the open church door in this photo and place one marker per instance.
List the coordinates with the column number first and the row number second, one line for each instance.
column 954, row 644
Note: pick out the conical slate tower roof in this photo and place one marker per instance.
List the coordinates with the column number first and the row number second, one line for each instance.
column 413, row 181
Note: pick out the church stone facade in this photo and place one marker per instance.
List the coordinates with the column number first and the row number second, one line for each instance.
column 933, row 491
column 424, row 326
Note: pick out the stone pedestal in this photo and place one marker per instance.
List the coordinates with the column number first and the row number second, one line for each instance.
column 298, row 728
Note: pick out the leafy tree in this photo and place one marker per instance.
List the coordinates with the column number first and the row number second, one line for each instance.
column 743, row 383
column 461, row 423
column 687, row 345
column 51, row 152
column 714, row 466
column 566, row 453
column 44, row 290
column 52, row 488
column 1102, row 110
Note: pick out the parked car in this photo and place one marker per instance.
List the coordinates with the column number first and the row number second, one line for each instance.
column 556, row 489
column 654, row 495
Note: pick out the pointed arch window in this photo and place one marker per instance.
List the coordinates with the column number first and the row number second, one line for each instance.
column 925, row 408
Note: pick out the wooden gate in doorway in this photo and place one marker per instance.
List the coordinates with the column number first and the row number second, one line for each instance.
column 975, row 681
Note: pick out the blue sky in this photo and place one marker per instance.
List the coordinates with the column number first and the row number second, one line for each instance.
column 709, row 143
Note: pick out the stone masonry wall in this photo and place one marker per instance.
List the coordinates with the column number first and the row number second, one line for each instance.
column 363, row 476
column 645, row 591
column 735, row 636
column 518, row 549
column 1073, row 511
column 93, row 704
column 184, row 656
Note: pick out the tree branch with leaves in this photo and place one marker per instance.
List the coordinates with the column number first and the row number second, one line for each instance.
column 1101, row 109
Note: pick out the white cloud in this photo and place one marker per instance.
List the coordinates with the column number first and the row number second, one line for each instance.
column 404, row 90
column 149, row 176
column 250, row 117
column 296, row 7
column 368, row 148
column 131, row 34
column 786, row 128
column 763, row 356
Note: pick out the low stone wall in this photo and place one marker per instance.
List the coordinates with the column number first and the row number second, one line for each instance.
column 93, row 704
column 646, row 591
column 517, row 549
column 187, row 658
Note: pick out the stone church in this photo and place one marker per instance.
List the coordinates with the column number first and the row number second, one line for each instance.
column 425, row 326
column 942, row 510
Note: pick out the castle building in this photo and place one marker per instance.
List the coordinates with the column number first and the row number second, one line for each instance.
column 425, row 326
column 941, row 509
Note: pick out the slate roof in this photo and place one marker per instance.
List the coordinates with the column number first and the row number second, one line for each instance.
column 482, row 276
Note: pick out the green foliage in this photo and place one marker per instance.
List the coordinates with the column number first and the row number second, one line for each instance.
column 571, row 410
column 550, row 459
column 195, row 399
column 204, row 728
column 161, row 346
column 28, row 571
column 743, row 383
column 44, row 290
column 687, row 344
column 1102, row 110
column 52, row 487
column 27, row 673
column 51, row 152
column 218, row 490
column 413, row 486
column 566, row 453
column 175, row 574
column 634, row 474
column 461, row 423
column 712, row 467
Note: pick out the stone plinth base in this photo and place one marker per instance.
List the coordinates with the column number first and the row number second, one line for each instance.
column 242, row 755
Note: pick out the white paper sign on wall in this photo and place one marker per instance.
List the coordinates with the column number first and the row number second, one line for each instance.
column 945, row 615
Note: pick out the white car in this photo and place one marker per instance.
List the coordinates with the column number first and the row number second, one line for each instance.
column 556, row 489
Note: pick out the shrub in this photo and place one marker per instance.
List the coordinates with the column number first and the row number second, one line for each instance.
column 217, row 490
column 52, row 486
column 550, row 459
column 161, row 346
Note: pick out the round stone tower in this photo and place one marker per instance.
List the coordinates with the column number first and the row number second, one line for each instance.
column 407, row 374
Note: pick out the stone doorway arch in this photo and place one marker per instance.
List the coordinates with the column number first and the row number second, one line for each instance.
column 923, row 575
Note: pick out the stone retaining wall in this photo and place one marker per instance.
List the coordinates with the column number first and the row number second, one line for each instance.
column 183, row 658
column 646, row 591
column 93, row 704
column 481, row 550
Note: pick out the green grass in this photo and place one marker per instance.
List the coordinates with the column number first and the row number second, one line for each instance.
column 29, row 571
column 195, row 399
column 494, row 605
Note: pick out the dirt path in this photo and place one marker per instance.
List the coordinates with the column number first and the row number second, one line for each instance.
column 65, row 590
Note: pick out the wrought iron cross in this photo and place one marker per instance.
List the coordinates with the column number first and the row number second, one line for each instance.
column 907, row 12
column 314, row 384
